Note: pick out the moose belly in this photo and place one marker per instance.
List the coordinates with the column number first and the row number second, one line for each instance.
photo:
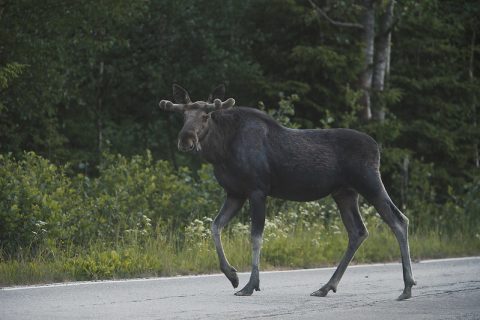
column 302, row 188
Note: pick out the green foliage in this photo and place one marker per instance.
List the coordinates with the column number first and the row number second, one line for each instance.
column 80, row 82
column 132, row 198
column 10, row 72
column 35, row 198
column 285, row 111
column 96, row 72
column 435, row 106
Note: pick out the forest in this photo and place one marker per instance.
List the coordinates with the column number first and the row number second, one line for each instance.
column 92, row 184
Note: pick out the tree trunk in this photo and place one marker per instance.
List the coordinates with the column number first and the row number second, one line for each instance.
column 368, row 37
column 382, row 62
column 98, row 112
column 3, row 5
column 404, row 184
column 471, row 76
column 389, row 58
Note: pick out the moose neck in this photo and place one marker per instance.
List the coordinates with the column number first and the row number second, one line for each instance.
column 215, row 143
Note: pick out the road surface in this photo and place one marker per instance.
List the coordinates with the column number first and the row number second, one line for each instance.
column 447, row 289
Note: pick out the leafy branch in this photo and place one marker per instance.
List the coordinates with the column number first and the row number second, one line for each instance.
column 10, row 72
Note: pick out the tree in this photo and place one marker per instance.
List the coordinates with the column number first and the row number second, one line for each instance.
column 432, row 69
column 376, row 49
column 98, row 70
column 28, row 117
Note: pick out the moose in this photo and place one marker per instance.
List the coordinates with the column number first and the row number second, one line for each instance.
column 254, row 157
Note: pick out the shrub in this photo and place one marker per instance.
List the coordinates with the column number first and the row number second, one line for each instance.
column 36, row 201
column 131, row 198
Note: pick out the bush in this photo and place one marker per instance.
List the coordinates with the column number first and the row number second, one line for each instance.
column 36, row 202
column 130, row 199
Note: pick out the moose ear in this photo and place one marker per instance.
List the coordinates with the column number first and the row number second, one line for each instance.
column 180, row 95
column 217, row 93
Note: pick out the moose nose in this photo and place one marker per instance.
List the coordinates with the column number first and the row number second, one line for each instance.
column 186, row 146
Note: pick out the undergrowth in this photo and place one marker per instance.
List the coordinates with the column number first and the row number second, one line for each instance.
column 289, row 242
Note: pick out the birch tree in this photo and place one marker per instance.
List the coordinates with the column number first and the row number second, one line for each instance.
column 376, row 51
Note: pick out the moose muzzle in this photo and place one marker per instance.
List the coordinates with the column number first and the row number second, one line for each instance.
column 188, row 141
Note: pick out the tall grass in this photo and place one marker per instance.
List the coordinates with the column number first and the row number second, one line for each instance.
column 297, row 247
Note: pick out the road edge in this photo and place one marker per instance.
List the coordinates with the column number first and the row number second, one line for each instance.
column 96, row 282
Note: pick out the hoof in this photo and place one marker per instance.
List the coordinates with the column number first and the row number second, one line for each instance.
column 233, row 279
column 319, row 293
column 248, row 290
column 404, row 296
column 323, row 291
column 407, row 292
column 244, row 293
column 231, row 274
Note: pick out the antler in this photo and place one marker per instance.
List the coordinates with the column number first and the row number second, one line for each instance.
column 170, row 106
column 216, row 105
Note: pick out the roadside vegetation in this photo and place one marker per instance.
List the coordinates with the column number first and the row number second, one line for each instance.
column 143, row 218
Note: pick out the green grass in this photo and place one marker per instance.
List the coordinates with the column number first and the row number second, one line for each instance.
column 167, row 256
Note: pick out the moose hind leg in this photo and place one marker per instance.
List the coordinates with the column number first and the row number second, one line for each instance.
column 347, row 202
column 398, row 223
column 257, row 207
column 229, row 209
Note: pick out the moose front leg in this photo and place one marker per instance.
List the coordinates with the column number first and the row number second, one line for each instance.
column 229, row 209
column 257, row 207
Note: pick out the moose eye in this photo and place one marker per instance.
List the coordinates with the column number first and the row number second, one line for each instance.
column 205, row 117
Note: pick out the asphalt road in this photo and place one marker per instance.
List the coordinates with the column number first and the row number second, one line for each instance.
column 447, row 289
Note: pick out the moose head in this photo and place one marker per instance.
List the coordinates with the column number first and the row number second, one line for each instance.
column 196, row 115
